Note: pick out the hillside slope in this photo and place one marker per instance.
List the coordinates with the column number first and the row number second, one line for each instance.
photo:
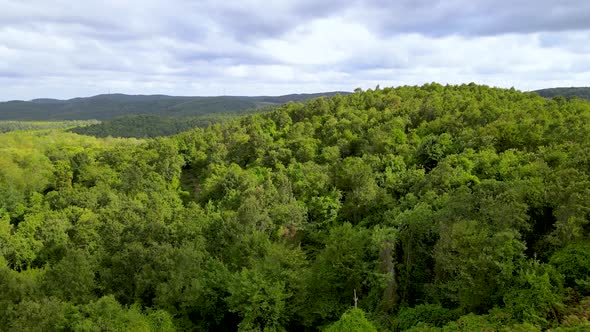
column 465, row 206
column 146, row 126
column 432, row 208
column 580, row 92
column 103, row 107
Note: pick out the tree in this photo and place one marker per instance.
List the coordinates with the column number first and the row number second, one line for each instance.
column 352, row 321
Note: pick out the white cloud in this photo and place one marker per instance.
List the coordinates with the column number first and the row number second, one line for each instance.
column 65, row 49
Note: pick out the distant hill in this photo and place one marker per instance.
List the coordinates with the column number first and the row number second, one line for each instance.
column 298, row 97
column 7, row 126
column 145, row 126
column 580, row 92
column 110, row 106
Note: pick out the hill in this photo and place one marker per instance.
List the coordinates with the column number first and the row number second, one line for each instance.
column 109, row 106
column 7, row 126
column 145, row 126
column 581, row 92
column 432, row 208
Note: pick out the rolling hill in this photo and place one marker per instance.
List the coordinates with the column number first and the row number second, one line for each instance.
column 110, row 106
column 580, row 92
column 436, row 208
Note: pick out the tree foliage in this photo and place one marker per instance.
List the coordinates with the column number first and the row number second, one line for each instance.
column 433, row 208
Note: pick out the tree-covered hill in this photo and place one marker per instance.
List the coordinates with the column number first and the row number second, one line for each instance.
column 581, row 92
column 145, row 126
column 111, row 106
column 6, row 126
column 433, row 208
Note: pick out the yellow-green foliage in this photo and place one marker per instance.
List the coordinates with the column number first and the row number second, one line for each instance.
column 433, row 208
column 32, row 161
column 6, row 126
column 353, row 320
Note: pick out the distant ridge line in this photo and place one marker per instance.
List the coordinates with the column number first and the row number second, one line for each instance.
column 110, row 106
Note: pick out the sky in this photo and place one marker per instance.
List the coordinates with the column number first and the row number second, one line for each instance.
column 64, row 49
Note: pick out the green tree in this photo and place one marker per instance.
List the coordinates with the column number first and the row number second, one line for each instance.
column 353, row 320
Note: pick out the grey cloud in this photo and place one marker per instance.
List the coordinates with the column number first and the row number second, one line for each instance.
column 202, row 47
column 475, row 18
column 260, row 21
column 428, row 17
column 10, row 74
column 252, row 20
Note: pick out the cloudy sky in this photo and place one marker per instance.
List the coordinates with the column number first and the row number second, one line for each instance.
column 64, row 49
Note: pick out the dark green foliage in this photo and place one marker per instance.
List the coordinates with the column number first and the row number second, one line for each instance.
column 41, row 315
column 6, row 126
column 536, row 295
column 433, row 208
column 573, row 262
column 145, row 126
column 103, row 107
column 72, row 278
column 429, row 314
column 107, row 314
column 581, row 92
column 345, row 265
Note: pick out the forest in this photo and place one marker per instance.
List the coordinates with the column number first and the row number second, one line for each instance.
column 6, row 126
column 111, row 106
column 580, row 92
column 415, row 208
column 149, row 126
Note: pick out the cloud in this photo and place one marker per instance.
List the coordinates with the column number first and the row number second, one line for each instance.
column 472, row 18
column 64, row 49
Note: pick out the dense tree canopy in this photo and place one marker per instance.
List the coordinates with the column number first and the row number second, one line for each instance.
column 149, row 126
column 110, row 106
column 579, row 92
column 7, row 126
column 433, row 208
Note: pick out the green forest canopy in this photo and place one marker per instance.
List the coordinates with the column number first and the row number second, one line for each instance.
column 145, row 126
column 7, row 126
column 443, row 208
column 580, row 92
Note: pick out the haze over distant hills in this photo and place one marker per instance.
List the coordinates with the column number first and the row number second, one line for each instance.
column 109, row 106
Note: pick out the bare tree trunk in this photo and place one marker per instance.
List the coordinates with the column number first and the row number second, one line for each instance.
column 390, row 297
